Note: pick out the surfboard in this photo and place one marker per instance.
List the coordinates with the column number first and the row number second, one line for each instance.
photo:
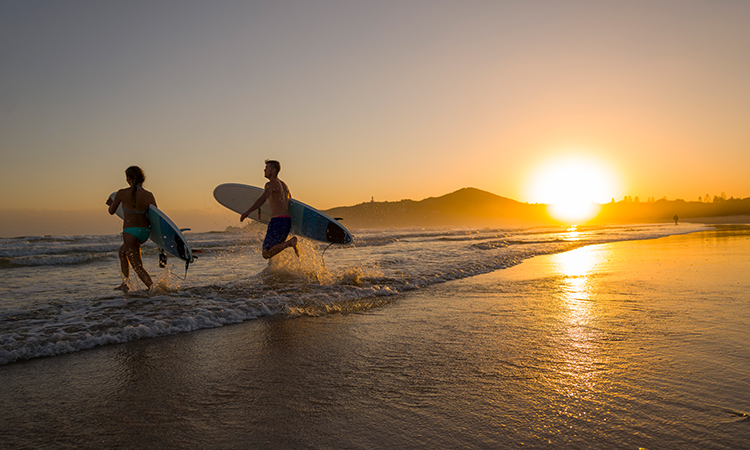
column 165, row 234
column 306, row 220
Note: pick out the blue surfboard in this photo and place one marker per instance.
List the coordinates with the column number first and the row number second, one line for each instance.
column 165, row 234
column 306, row 220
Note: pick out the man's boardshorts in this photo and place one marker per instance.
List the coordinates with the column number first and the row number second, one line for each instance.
column 278, row 230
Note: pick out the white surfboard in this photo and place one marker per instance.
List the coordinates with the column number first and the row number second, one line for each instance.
column 306, row 220
column 165, row 234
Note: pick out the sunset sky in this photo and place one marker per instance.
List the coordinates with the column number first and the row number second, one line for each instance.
column 391, row 100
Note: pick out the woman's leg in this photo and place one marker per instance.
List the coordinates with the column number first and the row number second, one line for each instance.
column 124, row 266
column 133, row 253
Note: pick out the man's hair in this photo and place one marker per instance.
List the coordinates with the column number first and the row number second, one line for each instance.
column 275, row 164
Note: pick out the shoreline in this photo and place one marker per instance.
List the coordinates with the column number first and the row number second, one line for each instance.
column 719, row 220
column 116, row 322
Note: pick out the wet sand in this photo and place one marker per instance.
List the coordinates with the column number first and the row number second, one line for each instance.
column 624, row 345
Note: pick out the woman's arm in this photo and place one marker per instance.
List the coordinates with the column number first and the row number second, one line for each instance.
column 113, row 204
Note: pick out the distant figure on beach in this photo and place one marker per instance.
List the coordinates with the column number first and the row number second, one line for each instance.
column 278, row 195
column 135, row 225
column 675, row 219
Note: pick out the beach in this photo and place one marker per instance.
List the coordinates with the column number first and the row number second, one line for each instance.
column 634, row 344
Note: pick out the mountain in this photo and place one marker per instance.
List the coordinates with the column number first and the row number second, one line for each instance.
column 465, row 207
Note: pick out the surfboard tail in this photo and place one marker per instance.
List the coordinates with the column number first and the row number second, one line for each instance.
column 335, row 234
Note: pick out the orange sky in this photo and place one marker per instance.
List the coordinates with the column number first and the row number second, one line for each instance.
column 389, row 100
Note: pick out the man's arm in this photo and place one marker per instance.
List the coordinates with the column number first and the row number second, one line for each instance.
column 258, row 203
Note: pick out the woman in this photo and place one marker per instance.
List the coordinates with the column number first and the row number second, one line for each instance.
column 135, row 228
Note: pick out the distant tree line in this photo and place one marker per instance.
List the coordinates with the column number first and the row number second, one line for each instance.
column 701, row 199
column 663, row 210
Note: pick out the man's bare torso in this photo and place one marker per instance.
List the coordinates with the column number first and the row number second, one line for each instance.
column 278, row 197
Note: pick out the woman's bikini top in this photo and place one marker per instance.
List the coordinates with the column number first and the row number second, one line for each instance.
column 134, row 212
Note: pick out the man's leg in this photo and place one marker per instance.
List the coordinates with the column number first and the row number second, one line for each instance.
column 269, row 253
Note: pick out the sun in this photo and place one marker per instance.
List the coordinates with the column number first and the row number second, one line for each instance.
column 574, row 187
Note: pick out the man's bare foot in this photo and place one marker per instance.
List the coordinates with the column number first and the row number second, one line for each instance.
column 294, row 245
column 123, row 287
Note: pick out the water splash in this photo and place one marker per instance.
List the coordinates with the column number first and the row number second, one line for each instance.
column 307, row 268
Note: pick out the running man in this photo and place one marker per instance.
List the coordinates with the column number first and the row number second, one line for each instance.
column 278, row 195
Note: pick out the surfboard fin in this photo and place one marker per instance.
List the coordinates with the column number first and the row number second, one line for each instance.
column 162, row 258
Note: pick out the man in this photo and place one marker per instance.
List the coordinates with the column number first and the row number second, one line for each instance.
column 278, row 195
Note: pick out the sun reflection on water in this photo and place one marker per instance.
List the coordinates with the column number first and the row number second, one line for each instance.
column 578, row 337
column 575, row 267
column 573, row 234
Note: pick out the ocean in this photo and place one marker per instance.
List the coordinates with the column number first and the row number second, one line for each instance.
column 603, row 337
column 57, row 292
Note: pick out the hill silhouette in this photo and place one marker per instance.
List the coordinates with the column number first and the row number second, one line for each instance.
column 465, row 207
column 473, row 207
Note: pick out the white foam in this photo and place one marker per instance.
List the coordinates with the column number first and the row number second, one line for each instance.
column 230, row 286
